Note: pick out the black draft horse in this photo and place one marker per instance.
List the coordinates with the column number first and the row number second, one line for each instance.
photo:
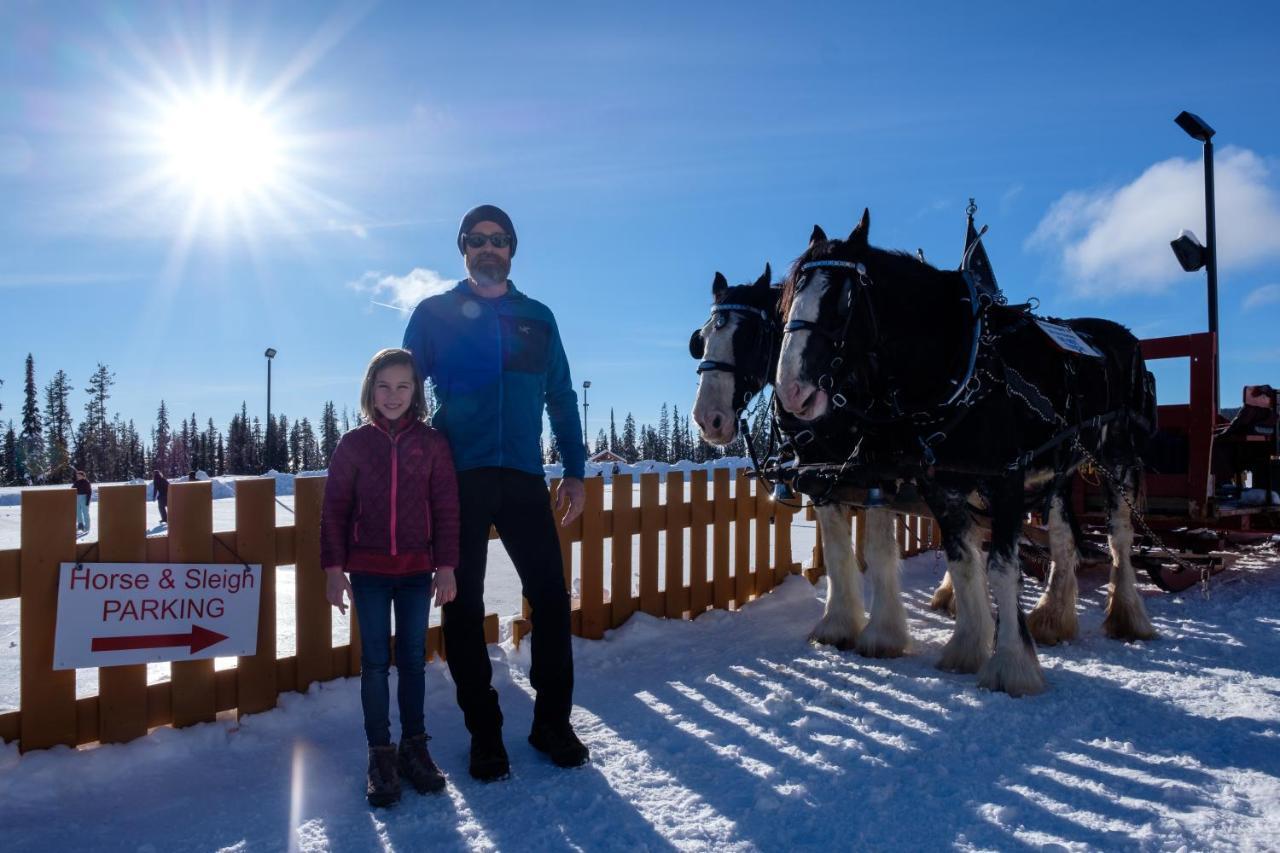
column 975, row 402
column 737, row 350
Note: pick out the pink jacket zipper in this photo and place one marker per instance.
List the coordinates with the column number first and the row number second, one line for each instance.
column 395, row 443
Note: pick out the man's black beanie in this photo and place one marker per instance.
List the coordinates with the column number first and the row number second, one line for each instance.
column 486, row 213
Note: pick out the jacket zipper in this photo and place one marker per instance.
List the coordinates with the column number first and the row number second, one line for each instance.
column 501, row 381
column 395, row 470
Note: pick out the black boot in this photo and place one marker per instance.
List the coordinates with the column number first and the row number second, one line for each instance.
column 384, row 781
column 560, row 744
column 416, row 765
column 489, row 760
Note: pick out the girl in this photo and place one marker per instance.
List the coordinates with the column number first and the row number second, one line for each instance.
column 391, row 519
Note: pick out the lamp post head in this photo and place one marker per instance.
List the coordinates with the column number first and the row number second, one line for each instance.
column 270, row 353
column 1195, row 127
column 586, row 383
column 1190, row 253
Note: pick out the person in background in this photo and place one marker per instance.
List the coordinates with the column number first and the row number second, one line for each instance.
column 497, row 361
column 84, row 492
column 390, row 519
column 160, row 485
column 191, row 476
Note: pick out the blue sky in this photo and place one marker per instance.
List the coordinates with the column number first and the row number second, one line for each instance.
column 639, row 148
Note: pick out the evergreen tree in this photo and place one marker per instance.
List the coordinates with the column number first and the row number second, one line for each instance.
column 309, row 449
column 329, row 434
column 255, row 448
column 277, row 455
column 630, row 451
column 295, row 447
column 222, row 456
column 97, row 435
column 160, row 439
column 663, row 444
column 613, row 432
column 57, row 421
column 31, row 438
column 678, row 448
column 346, row 421
column 602, row 442
column 553, row 452
column 10, row 474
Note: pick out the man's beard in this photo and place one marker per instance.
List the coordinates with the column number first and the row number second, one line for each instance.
column 488, row 270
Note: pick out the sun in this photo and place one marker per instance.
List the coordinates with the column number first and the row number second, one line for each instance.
column 220, row 147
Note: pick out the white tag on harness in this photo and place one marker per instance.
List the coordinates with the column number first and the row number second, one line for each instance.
column 1066, row 339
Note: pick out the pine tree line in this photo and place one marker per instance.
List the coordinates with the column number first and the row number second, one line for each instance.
column 47, row 446
column 673, row 440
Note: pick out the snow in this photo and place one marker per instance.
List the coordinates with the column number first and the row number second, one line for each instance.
column 732, row 732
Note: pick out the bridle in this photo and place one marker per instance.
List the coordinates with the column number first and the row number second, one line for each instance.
column 761, row 359
column 855, row 284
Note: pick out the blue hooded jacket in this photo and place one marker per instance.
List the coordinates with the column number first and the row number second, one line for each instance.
column 495, row 364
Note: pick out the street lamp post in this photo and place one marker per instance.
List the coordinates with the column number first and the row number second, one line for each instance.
column 270, row 354
column 586, row 442
column 1191, row 260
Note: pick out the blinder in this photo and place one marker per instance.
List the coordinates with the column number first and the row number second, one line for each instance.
column 697, row 346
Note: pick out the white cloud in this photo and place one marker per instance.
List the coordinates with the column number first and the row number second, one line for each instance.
column 1264, row 295
column 1116, row 241
column 403, row 292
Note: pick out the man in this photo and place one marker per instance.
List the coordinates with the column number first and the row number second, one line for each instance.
column 496, row 361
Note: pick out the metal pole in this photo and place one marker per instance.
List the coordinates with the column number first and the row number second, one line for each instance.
column 586, row 442
column 267, row 451
column 1212, row 267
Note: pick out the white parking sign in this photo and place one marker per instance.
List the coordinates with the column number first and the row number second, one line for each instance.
column 121, row 613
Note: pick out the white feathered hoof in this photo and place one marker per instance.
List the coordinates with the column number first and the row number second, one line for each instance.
column 965, row 652
column 944, row 597
column 883, row 641
column 1015, row 671
column 1051, row 624
column 837, row 630
column 1126, row 619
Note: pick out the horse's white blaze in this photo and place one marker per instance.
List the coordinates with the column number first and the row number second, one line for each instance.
column 1126, row 617
column 1014, row 667
column 715, row 387
column 792, row 392
column 970, row 643
column 844, row 617
column 1054, row 617
column 886, row 634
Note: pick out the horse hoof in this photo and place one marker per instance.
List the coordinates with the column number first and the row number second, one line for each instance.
column 1012, row 671
column 1128, row 622
column 1049, row 627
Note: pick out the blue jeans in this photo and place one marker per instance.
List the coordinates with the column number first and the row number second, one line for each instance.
column 375, row 596
column 82, row 512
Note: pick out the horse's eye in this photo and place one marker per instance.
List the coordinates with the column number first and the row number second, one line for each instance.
column 721, row 321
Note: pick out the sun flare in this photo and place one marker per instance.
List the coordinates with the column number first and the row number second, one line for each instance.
column 222, row 148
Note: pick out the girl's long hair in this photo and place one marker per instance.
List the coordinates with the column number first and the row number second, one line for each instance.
column 390, row 358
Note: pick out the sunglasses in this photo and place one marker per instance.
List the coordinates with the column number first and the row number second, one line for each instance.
column 498, row 241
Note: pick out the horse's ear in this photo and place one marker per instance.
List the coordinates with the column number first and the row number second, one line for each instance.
column 858, row 236
column 767, row 279
column 720, row 285
column 817, row 236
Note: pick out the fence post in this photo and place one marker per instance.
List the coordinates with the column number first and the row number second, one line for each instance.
column 314, row 624
column 722, row 591
column 650, row 522
column 622, row 602
column 761, row 570
column 591, row 601
column 699, row 517
column 256, row 682
column 194, row 691
column 676, row 598
column 48, row 698
column 122, row 538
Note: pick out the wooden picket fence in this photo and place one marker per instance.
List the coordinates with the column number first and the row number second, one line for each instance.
column 739, row 547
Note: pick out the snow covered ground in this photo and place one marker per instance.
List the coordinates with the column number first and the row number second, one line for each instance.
column 733, row 733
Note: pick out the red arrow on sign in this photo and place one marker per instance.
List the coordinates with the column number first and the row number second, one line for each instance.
column 198, row 639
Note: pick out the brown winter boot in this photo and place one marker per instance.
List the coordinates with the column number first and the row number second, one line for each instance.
column 384, row 782
column 416, row 766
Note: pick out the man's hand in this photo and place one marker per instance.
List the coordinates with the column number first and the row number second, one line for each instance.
column 335, row 585
column 446, row 585
column 570, row 498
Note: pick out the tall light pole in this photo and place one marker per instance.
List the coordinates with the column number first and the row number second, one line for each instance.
column 586, row 442
column 270, row 448
column 1185, row 247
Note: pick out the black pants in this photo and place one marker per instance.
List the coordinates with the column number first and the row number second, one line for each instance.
column 518, row 505
column 163, row 502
